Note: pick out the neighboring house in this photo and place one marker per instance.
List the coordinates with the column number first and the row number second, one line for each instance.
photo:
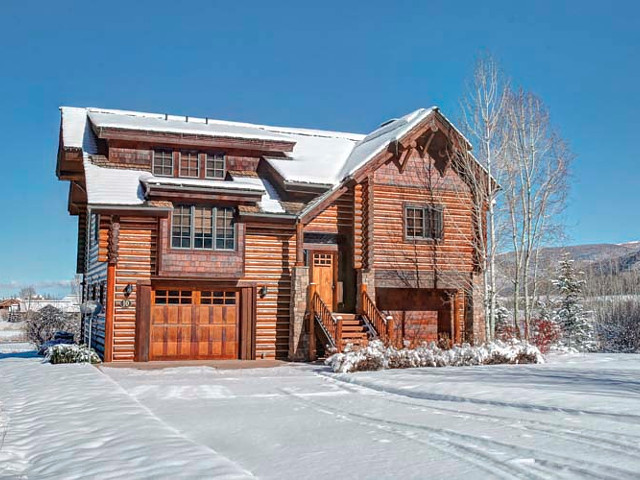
column 213, row 239
column 8, row 306
column 18, row 307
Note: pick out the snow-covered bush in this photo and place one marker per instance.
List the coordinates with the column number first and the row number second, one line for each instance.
column 41, row 326
column 378, row 357
column 545, row 334
column 65, row 353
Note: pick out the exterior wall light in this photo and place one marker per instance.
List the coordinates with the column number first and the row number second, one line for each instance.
column 128, row 289
column 263, row 291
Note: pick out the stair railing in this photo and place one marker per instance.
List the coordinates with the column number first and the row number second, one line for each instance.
column 383, row 325
column 332, row 326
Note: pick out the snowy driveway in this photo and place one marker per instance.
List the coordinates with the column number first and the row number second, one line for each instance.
column 575, row 417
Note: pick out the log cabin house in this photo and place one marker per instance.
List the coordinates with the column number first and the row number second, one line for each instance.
column 208, row 239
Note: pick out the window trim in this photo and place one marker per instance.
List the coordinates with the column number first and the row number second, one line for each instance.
column 425, row 209
column 197, row 154
column 214, row 229
column 153, row 162
column 224, row 165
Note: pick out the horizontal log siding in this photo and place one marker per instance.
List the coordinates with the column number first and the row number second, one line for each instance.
column 420, row 185
column 394, row 252
column 269, row 256
column 95, row 274
column 136, row 262
column 335, row 218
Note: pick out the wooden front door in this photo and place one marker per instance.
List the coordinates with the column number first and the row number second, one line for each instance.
column 194, row 324
column 324, row 272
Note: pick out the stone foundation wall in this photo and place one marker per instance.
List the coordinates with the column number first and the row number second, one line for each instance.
column 298, row 342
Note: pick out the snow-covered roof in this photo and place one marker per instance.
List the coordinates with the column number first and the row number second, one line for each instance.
column 114, row 186
column 270, row 201
column 173, row 124
column 76, row 131
column 380, row 139
column 233, row 184
column 318, row 157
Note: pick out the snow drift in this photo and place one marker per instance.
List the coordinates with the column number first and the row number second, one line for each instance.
column 378, row 357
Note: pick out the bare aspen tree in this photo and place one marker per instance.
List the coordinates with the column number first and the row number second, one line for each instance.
column 534, row 185
column 483, row 112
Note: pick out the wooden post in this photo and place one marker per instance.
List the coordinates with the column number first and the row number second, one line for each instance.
column 299, row 244
column 363, row 290
column 339, row 334
column 109, row 311
column 143, row 322
column 112, row 259
column 312, row 322
column 391, row 327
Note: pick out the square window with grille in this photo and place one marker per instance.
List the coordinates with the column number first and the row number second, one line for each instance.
column 173, row 297
column 189, row 164
column 163, row 163
column 424, row 222
column 215, row 166
column 203, row 228
column 323, row 259
column 217, row 298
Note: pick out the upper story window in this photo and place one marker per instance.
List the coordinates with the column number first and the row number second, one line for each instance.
column 215, row 165
column 424, row 222
column 203, row 228
column 189, row 164
column 163, row 163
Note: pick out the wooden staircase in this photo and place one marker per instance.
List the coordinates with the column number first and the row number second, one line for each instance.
column 337, row 330
column 355, row 330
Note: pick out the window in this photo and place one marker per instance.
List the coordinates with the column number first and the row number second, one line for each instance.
column 163, row 163
column 225, row 230
column 215, row 165
column 181, row 228
column 217, row 298
column 203, row 227
column 424, row 222
column 197, row 227
column 189, row 164
column 173, row 297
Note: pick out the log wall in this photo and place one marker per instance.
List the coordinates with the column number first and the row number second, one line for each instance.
column 269, row 258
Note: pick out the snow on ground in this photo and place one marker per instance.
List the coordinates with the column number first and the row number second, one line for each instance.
column 575, row 417
column 71, row 421
column 11, row 332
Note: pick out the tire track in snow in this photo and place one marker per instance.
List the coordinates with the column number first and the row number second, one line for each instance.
column 466, row 453
column 618, row 417
column 554, row 462
column 583, row 435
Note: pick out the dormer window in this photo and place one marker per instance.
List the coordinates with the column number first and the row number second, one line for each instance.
column 215, row 166
column 189, row 164
column 163, row 163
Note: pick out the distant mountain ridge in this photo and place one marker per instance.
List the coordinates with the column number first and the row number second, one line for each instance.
column 621, row 257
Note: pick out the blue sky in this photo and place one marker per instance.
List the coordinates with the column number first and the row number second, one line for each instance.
column 339, row 65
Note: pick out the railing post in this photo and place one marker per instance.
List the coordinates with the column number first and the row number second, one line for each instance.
column 391, row 327
column 339, row 334
column 312, row 322
column 363, row 291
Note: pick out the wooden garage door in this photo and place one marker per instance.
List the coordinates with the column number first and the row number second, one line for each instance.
column 194, row 324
